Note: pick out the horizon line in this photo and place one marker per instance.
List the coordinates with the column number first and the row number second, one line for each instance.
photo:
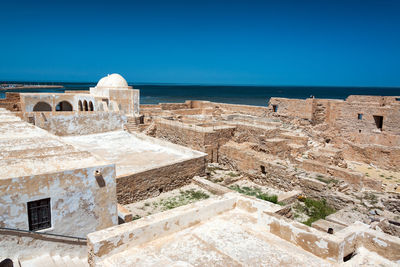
column 206, row 84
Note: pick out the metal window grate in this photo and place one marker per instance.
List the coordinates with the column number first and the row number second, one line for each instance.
column 39, row 214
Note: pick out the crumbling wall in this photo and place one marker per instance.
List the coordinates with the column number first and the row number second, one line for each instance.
column 11, row 102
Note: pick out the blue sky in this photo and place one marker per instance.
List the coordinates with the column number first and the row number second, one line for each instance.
column 282, row 42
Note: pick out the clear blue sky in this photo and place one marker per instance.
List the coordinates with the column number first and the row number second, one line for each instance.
column 278, row 42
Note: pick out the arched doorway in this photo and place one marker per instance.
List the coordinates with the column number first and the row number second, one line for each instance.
column 64, row 106
column 85, row 105
column 42, row 106
column 80, row 106
column 91, row 106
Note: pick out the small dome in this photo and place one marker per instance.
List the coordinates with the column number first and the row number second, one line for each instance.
column 114, row 81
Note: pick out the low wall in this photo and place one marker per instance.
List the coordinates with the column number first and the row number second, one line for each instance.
column 151, row 183
column 76, row 123
column 103, row 244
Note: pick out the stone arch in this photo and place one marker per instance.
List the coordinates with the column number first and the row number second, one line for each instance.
column 64, row 106
column 91, row 108
column 85, row 105
column 80, row 106
column 42, row 106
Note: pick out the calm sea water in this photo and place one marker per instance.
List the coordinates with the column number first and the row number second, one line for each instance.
column 249, row 95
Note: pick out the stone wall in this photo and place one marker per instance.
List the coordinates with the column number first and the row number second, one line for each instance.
column 356, row 122
column 151, row 183
column 76, row 123
column 384, row 156
column 291, row 107
column 205, row 139
column 78, row 205
column 11, row 102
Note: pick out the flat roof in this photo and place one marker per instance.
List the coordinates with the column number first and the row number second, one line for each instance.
column 132, row 153
column 28, row 150
column 232, row 238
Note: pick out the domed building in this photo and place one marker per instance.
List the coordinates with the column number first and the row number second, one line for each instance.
column 113, row 81
column 112, row 92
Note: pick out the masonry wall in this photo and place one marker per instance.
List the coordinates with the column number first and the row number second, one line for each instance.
column 11, row 102
column 78, row 205
column 365, row 130
column 76, row 123
column 151, row 183
column 292, row 107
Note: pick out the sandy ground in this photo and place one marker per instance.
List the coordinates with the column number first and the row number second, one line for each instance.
column 390, row 179
column 154, row 205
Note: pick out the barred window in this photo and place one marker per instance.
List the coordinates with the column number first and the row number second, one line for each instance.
column 39, row 214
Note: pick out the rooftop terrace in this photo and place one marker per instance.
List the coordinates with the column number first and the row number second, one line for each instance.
column 132, row 153
column 28, row 150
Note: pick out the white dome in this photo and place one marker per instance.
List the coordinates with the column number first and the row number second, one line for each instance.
column 114, row 81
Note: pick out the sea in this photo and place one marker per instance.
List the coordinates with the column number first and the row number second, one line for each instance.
column 234, row 94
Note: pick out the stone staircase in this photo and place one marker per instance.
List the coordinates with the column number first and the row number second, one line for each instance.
column 47, row 260
column 132, row 124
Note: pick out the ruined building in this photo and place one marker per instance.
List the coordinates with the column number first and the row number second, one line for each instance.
column 93, row 178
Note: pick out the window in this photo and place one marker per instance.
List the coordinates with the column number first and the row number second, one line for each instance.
column 39, row 214
column 263, row 169
column 378, row 122
column 275, row 108
column 359, row 116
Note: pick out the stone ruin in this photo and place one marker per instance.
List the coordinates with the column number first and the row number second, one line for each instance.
column 256, row 170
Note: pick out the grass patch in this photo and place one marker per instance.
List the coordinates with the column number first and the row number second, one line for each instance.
column 255, row 192
column 371, row 197
column 213, row 169
column 232, row 174
column 184, row 198
column 314, row 209
column 136, row 217
column 326, row 180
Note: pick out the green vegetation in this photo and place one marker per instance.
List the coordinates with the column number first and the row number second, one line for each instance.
column 232, row 174
column 255, row 192
column 184, row 198
column 314, row 209
column 213, row 169
column 371, row 197
column 326, row 180
column 136, row 217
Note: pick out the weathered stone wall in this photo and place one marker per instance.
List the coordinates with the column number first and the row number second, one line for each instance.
column 205, row 139
column 76, row 123
column 151, row 183
column 384, row 156
column 174, row 132
column 11, row 102
column 292, row 107
column 348, row 122
column 78, row 205
column 173, row 106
